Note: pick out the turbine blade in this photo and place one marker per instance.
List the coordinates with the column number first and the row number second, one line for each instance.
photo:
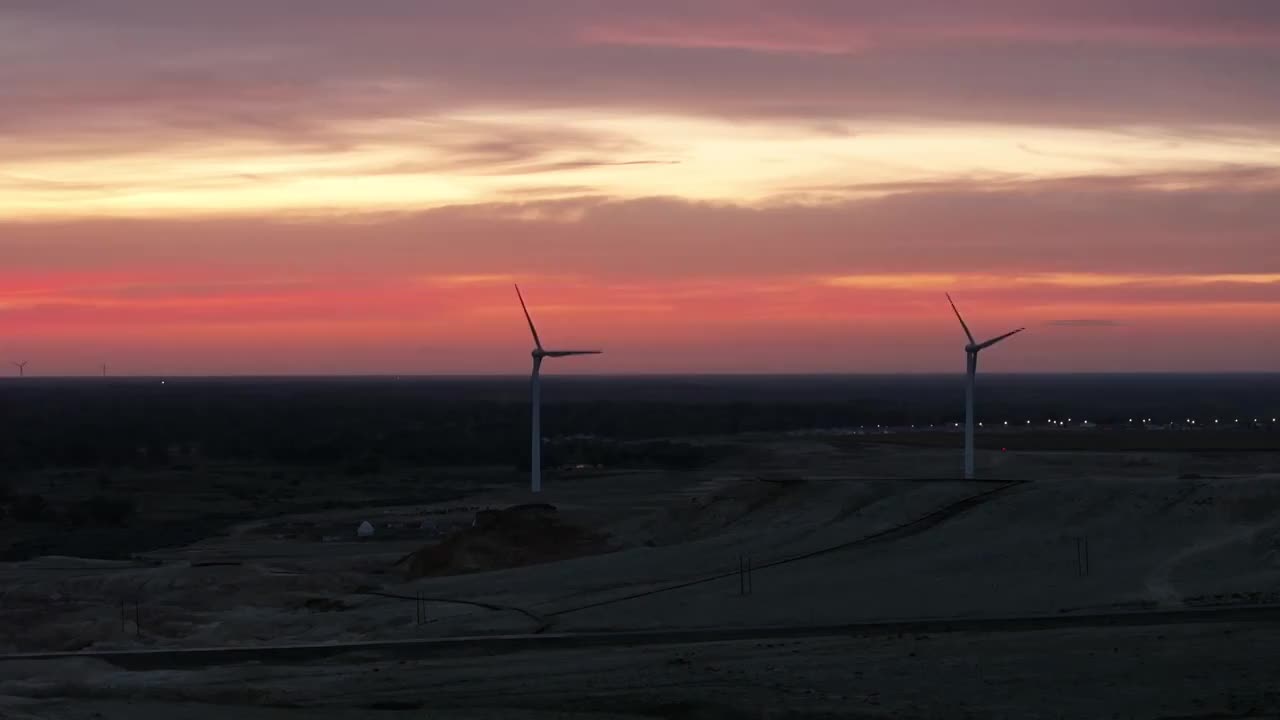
column 567, row 353
column 995, row 340
column 961, row 319
column 532, row 329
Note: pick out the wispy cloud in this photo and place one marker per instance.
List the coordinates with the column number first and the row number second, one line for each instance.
column 249, row 70
column 1085, row 323
column 858, row 27
column 1037, row 239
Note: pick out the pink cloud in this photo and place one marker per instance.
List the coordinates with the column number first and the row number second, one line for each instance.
column 859, row 27
column 156, row 69
column 1216, row 222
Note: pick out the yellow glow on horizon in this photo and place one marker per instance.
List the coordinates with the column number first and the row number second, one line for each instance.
column 917, row 281
column 897, row 281
column 1111, row 280
column 393, row 165
column 465, row 280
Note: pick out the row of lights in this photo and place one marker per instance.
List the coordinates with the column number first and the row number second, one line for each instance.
column 1086, row 422
column 1219, row 422
column 1131, row 420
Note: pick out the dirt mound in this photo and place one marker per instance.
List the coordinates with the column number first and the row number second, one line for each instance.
column 513, row 537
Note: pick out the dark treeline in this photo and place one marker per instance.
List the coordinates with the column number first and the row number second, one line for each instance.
column 362, row 424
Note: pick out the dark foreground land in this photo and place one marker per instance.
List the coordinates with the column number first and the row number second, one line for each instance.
column 109, row 467
column 219, row 528
column 359, row 425
column 1168, row 672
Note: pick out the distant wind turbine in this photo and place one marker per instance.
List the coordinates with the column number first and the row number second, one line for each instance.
column 535, row 383
column 22, row 367
column 104, row 369
column 971, row 351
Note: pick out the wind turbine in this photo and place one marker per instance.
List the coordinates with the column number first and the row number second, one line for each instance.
column 104, row 369
column 22, row 367
column 535, row 384
column 971, row 351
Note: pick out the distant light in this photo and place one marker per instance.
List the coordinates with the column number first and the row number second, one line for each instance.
column 161, row 382
column 1006, row 422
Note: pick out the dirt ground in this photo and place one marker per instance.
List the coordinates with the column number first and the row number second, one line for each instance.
column 835, row 533
column 1220, row 671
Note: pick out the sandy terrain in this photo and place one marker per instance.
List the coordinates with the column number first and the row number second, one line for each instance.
column 1204, row 672
column 836, row 533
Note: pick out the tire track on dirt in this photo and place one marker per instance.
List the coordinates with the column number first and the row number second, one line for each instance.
column 897, row 532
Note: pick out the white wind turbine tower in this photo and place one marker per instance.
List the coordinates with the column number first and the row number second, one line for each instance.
column 971, row 351
column 535, row 383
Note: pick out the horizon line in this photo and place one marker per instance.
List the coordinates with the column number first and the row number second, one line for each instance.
column 590, row 376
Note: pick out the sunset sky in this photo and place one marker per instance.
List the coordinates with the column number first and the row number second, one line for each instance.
column 329, row 186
